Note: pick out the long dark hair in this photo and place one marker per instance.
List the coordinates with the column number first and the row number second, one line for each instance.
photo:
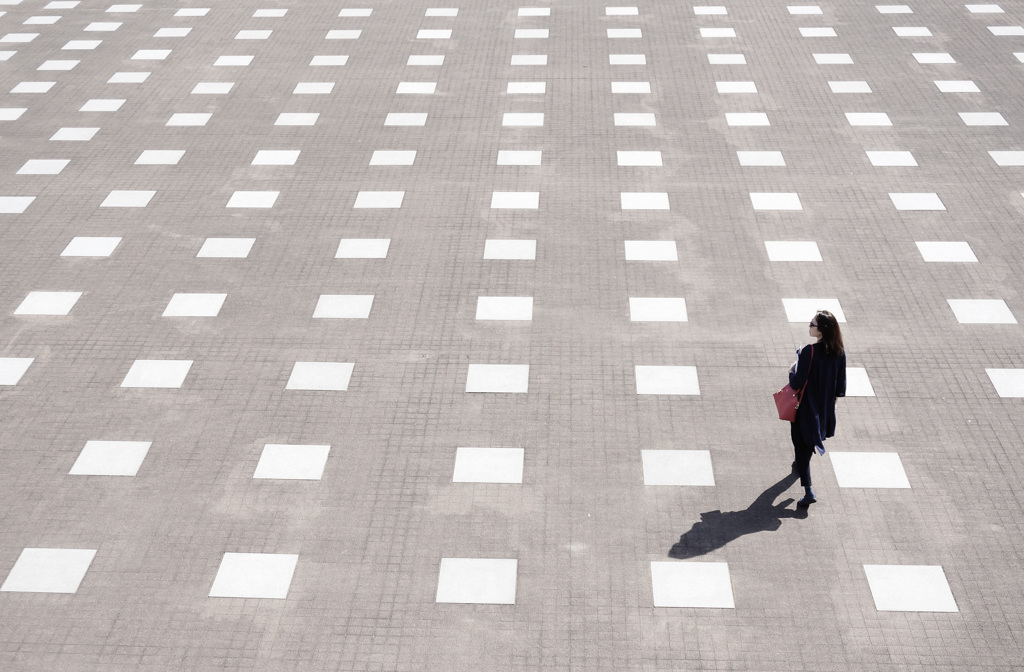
column 831, row 334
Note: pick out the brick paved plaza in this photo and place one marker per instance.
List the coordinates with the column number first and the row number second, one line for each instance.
column 381, row 335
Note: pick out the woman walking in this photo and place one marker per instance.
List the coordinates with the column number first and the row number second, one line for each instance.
column 822, row 367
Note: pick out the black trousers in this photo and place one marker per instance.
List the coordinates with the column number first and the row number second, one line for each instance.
column 802, row 452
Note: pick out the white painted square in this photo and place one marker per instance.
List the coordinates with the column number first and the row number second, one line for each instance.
column 534, row 11
column 253, row 34
column 934, row 58
column 651, row 250
column 766, row 158
column 91, row 246
column 416, row 88
column 631, row 87
column 833, row 59
column 110, row 458
column 406, row 119
column 868, row 119
column 710, row 10
column 792, row 250
column 276, row 157
column 804, row 310
column 650, row 309
column 857, row 382
column 910, row 588
column 253, row 199
column 529, row 59
column 62, row 66
column 515, row 200
column 379, row 199
column 476, row 581
column 1007, row 31
column 917, row 201
column 621, row 11
column 192, row 11
column 515, row 250
column 701, row 585
column 957, row 86
column 912, row 31
column 33, row 87
column 194, row 305
column 127, row 199
column 297, row 119
column 675, row 380
column 164, row 373
column 504, row 308
column 746, row 119
column 983, row 119
column 151, row 54
column 488, row 465
column 292, row 462
column 15, row 205
column 727, row 59
column 851, row 86
column 984, row 9
column 172, row 32
column 363, row 248
column 328, row 60
column 868, row 470
column 817, row 32
column 1012, row 158
column 269, row 13
column 894, row 9
column 56, row 4
column 233, row 61
column 498, row 378
column 41, row 20
column 11, row 113
column 891, row 158
column 344, row 306
column 48, row 303
column 519, row 158
column 638, row 158
column 736, row 87
column 624, row 33
column 123, row 9
column 426, row 59
column 13, row 368
column 433, row 35
column 1009, row 383
column 254, row 575
column 981, row 311
column 644, row 200
column 74, row 134
column 343, row 34
column 226, row 248
column 355, row 12
column 530, row 34
column 393, row 158
column 634, row 119
column 212, row 88
column 102, row 26
column 677, row 467
column 322, row 376
column 313, row 88
column 49, row 570
column 803, row 10
column 82, row 45
column 102, row 105
column 522, row 119
column 710, row 33
column 18, row 38
column 160, row 157
column 43, row 167
column 946, row 251
column 776, row 201
column 442, row 11
column 189, row 119
column 627, row 59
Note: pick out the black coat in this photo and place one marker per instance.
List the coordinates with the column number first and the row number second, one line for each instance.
column 816, row 417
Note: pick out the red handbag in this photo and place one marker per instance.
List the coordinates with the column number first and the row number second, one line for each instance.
column 787, row 400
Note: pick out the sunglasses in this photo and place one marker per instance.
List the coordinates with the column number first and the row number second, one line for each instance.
column 813, row 324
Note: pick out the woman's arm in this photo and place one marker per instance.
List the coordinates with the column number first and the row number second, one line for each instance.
column 841, row 376
column 803, row 367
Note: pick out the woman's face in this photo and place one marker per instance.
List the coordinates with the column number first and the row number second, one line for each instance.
column 813, row 328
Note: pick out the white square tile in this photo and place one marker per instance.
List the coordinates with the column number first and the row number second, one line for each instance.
column 894, row 9
column 61, row 66
column 677, row 467
column 627, row 59
column 102, row 26
column 212, row 88
column 519, row 158
column 631, row 87
column 128, row 78
column 849, row 87
column 522, row 119
column 624, row 33
column 746, row 119
column 857, row 382
column 13, row 368
column 426, row 59
column 984, row 9
column 833, row 59
column 727, row 59
column 869, row 470
column 151, row 54
column 82, row 45
column 634, row 119
column 442, row 12
column 498, row 378
column 621, row 11
column 253, row 199
column 736, row 87
column 328, row 60
column 189, row 119
column 74, row 134
column 48, row 303
column 192, row 11
column 11, row 113
column 710, row 10
column 416, row 88
column 127, row 199
column 804, row 310
column 946, row 251
column 269, row 13
column 534, row 11
column 868, row 119
column 476, row 581
column 983, row 119
column 393, row 158
column 49, row 570
column 276, row 157
column 18, row 38
column 910, row 588
column 711, row 33
column 123, row 9
column 488, row 465
column 253, row 34
column 313, row 88
column 891, row 158
column 766, row 158
column 343, row 34
column 802, row 10
column 504, row 308
column 1009, row 383
column 15, row 205
column 515, row 200
column 91, row 246
column 226, row 248
column 644, row 200
column 529, row 59
column 363, row 248
column 172, row 32
column 379, row 199
column 530, row 34
column 918, row 201
column 254, row 575
column 1004, row 31
column 818, row 32
column 33, row 87
column 406, row 119
column 160, row 157
column 41, row 20
column 102, row 105
column 433, row 35
column 43, row 167
column 62, row 4
column 323, row 376
column 355, row 12
column 981, row 311
column 517, row 250
column 638, row 158
column 344, row 306
column 911, row 31
column 792, row 250
column 194, row 305
column 165, row 373
column 651, row 250
column 233, row 61
column 934, row 58
column 957, row 86
column 776, row 201
column 297, row 119
column 692, row 584
column 667, row 380
column 292, row 462
column 110, row 458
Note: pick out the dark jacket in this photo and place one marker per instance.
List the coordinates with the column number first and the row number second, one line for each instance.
column 816, row 417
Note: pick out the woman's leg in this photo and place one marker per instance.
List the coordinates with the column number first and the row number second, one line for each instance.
column 802, row 453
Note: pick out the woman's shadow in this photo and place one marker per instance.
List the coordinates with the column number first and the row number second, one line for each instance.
column 716, row 529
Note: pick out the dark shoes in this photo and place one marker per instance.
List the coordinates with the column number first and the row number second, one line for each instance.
column 806, row 501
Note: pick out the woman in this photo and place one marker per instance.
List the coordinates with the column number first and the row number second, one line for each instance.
column 822, row 366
